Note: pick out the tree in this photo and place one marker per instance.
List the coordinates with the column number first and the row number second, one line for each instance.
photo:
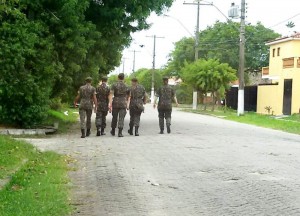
column 221, row 41
column 144, row 77
column 49, row 47
column 209, row 76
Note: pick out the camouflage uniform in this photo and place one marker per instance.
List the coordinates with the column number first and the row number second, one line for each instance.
column 136, row 107
column 119, row 104
column 166, row 93
column 102, row 109
column 86, row 94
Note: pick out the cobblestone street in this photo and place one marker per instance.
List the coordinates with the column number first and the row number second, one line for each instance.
column 206, row 166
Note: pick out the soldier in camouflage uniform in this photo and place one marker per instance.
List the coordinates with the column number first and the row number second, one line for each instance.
column 86, row 95
column 165, row 95
column 102, row 92
column 137, row 99
column 118, row 103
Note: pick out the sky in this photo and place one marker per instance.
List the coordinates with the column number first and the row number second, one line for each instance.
column 181, row 22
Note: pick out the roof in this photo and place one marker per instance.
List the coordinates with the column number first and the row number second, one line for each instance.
column 295, row 36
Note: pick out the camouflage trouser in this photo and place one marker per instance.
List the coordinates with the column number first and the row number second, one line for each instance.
column 135, row 118
column 85, row 118
column 101, row 119
column 118, row 117
column 164, row 114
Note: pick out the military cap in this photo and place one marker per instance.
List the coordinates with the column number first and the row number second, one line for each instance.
column 104, row 78
column 165, row 78
column 134, row 79
column 88, row 79
column 121, row 76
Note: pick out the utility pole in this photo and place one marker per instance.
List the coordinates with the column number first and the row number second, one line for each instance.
column 198, row 3
column 123, row 61
column 240, row 110
column 133, row 65
column 153, row 66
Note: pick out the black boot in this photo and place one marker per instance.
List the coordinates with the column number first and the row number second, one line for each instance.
column 98, row 132
column 88, row 132
column 137, row 131
column 161, row 131
column 120, row 132
column 130, row 131
column 113, row 131
column 82, row 133
column 102, row 131
column 168, row 129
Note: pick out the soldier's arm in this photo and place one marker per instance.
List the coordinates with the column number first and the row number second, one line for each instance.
column 110, row 100
column 175, row 98
column 76, row 99
column 128, row 99
column 95, row 102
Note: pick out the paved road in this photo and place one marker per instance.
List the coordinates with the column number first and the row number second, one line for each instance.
column 207, row 166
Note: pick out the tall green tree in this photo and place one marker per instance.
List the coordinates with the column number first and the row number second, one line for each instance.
column 209, row 76
column 48, row 47
column 221, row 41
column 144, row 77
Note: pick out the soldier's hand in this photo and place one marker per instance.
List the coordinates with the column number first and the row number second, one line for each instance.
column 75, row 105
column 177, row 104
column 154, row 106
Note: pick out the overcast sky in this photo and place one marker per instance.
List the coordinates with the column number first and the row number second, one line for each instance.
column 273, row 14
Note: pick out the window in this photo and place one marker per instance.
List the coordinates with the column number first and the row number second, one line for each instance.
column 274, row 52
column 288, row 62
column 278, row 51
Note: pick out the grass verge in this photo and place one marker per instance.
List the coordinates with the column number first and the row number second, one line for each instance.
column 33, row 183
column 65, row 117
column 289, row 124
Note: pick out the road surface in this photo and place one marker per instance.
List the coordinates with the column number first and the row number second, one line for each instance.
column 206, row 166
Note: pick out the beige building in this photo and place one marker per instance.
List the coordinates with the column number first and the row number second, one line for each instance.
column 281, row 96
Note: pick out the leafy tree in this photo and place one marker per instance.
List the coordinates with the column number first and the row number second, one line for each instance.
column 144, row 77
column 28, row 68
column 209, row 76
column 47, row 48
column 221, row 41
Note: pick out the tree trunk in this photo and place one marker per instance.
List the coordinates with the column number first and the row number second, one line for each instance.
column 213, row 101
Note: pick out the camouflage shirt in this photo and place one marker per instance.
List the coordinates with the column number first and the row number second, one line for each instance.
column 102, row 97
column 165, row 93
column 86, row 94
column 137, row 95
column 121, row 92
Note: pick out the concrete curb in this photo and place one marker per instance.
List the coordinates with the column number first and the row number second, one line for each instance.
column 19, row 132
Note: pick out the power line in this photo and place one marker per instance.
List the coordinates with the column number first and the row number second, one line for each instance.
column 284, row 20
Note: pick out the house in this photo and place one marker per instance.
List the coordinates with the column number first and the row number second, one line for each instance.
column 280, row 94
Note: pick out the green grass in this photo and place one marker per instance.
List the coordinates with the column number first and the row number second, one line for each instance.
column 37, row 182
column 290, row 124
column 65, row 121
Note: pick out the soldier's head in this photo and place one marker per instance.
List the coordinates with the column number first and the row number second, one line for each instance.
column 121, row 76
column 134, row 81
column 165, row 80
column 88, row 80
column 104, row 79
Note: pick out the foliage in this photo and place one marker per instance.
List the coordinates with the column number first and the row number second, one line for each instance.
column 37, row 181
column 49, row 47
column 221, row 41
column 184, row 93
column 209, row 76
column 144, row 77
column 65, row 117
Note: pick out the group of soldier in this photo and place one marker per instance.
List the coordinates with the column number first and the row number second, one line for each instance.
column 117, row 99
